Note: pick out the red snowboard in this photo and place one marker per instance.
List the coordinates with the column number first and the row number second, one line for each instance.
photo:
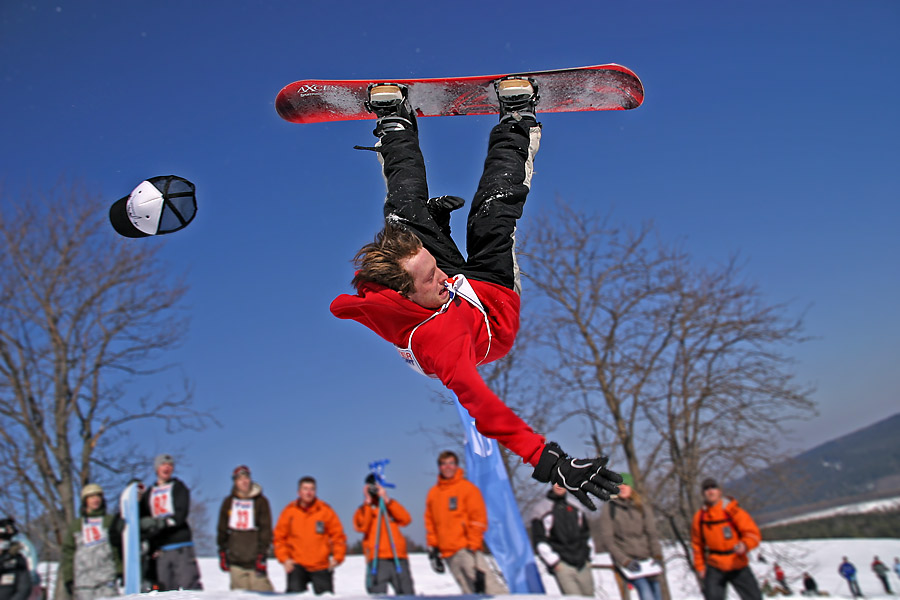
column 601, row 87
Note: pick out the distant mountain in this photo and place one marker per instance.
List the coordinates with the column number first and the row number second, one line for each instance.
column 862, row 465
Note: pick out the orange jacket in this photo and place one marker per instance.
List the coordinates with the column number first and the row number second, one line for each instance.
column 455, row 515
column 717, row 530
column 365, row 520
column 309, row 535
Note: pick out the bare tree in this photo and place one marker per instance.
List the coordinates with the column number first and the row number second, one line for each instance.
column 83, row 316
column 681, row 370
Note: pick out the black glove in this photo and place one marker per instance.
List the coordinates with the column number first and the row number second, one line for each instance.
column 633, row 566
column 434, row 557
column 261, row 566
column 580, row 476
column 223, row 561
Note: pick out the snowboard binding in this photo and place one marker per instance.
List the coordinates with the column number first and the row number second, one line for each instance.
column 518, row 97
column 390, row 103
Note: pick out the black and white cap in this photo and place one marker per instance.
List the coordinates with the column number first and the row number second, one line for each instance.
column 158, row 205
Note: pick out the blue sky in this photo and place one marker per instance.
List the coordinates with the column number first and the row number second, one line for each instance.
column 769, row 129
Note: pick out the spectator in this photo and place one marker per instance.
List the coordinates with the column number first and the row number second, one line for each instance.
column 455, row 522
column 309, row 541
column 164, row 509
column 562, row 539
column 897, row 566
column 626, row 536
column 882, row 571
column 245, row 534
column 848, row 572
column 779, row 577
column 810, row 587
column 91, row 549
column 381, row 533
column 15, row 580
column 722, row 534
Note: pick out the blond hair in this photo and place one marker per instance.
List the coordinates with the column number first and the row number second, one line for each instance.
column 380, row 261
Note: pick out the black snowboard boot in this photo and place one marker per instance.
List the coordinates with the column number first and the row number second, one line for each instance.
column 390, row 103
column 518, row 97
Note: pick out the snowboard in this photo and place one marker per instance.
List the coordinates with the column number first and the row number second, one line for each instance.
column 131, row 539
column 599, row 87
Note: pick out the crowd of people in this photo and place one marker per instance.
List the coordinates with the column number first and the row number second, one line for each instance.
column 308, row 539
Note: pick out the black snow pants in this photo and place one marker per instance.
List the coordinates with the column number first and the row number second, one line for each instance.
column 498, row 202
column 743, row 581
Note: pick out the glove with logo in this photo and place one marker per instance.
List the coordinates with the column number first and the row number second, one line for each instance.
column 261, row 566
column 580, row 476
column 434, row 557
column 223, row 561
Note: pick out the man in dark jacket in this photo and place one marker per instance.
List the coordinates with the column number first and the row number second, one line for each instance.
column 562, row 539
column 245, row 534
column 164, row 511
column 15, row 579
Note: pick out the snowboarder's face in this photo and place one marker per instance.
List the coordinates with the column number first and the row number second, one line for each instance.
column 242, row 484
column 428, row 281
column 164, row 471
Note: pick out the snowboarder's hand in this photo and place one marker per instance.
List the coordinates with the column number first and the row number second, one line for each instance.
column 261, row 566
column 223, row 561
column 580, row 476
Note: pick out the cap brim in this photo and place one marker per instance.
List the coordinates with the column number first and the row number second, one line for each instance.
column 118, row 217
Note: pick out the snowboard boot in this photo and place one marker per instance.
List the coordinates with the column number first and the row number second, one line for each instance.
column 518, row 97
column 390, row 103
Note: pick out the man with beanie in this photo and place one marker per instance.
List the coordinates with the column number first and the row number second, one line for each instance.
column 309, row 541
column 722, row 536
column 381, row 535
column 15, row 580
column 562, row 539
column 455, row 522
column 245, row 534
column 91, row 549
column 164, row 511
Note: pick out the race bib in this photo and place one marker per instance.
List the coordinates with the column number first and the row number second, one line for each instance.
column 7, row 579
column 92, row 531
column 241, row 517
column 161, row 501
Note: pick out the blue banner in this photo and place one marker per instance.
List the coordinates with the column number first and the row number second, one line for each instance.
column 505, row 536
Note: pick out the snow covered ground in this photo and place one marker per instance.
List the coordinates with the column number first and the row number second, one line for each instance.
column 819, row 557
column 856, row 508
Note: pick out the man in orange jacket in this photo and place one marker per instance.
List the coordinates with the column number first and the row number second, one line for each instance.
column 393, row 561
column 309, row 541
column 455, row 522
column 722, row 534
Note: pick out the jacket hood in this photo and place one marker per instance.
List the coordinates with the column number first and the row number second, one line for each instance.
column 458, row 476
column 255, row 490
column 382, row 310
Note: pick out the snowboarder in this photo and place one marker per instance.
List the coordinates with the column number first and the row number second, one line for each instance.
column 445, row 327
column 377, row 513
column 15, row 579
column 848, row 572
column 164, row 511
column 91, row 549
column 309, row 541
column 562, row 539
column 244, row 534
column 722, row 534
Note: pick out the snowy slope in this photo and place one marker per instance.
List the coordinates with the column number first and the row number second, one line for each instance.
column 819, row 557
column 856, row 508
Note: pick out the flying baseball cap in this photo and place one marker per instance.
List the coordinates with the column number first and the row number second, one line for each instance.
column 157, row 206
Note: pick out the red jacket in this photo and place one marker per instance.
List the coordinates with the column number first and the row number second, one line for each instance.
column 450, row 346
